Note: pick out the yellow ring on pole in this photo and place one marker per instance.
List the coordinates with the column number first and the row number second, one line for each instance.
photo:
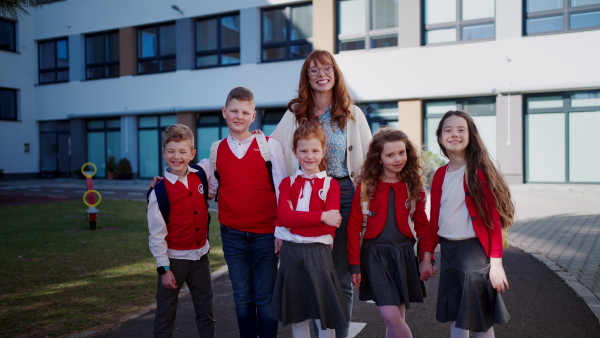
column 85, row 165
column 95, row 192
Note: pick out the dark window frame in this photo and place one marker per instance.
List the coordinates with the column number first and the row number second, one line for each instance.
column 288, row 43
column 14, row 115
column 566, row 109
column 56, row 69
column 458, row 25
column 159, row 58
column 105, row 64
column 219, row 51
column 565, row 12
column 368, row 34
column 382, row 120
column 13, row 38
column 160, row 129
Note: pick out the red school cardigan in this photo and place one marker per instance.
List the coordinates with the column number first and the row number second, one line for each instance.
column 491, row 239
column 307, row 223
column 376, row 223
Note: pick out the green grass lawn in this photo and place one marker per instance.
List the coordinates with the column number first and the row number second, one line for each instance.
column 58, row 277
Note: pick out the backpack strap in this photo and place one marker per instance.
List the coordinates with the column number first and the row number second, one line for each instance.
column 162, row 198
column 365, row 201
column 202, row 176
column 214, row 147
column 265, row 152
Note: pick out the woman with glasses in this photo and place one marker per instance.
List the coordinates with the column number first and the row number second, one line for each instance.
column 324, row 98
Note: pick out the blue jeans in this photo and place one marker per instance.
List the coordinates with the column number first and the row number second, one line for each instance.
column 252, row 264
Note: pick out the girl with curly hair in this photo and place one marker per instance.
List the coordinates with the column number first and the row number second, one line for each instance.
column 384, row 266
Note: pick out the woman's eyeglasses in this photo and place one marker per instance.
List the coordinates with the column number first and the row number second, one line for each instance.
column 314, row 71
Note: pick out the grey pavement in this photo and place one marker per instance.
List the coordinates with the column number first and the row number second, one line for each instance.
column 553, row 268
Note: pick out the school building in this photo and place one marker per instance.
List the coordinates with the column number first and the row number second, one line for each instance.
column 82, row 81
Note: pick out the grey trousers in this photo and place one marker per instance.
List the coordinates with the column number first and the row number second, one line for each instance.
column 197, row 276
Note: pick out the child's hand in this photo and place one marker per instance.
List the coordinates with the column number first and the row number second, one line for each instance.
column 332, row 218
column 356, row 278
column 168, row 280
column 427, row 270
column 278, row 242
column 155, row 180
column 497, row 275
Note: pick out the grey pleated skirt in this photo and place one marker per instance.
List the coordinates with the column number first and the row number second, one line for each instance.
column 307, row 287
column 390, row 275
column 465, row 293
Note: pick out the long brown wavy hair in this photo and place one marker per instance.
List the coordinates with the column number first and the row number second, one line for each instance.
column 477, row 156
column 306, row 132
column 372, row 171
column 304, row 105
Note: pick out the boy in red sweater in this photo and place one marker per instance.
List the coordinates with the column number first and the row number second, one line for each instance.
column 179, row 242
column 247, row 200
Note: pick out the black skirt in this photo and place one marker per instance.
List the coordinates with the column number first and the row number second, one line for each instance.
column 465, row 293
column 307, row 287
column 390, row 275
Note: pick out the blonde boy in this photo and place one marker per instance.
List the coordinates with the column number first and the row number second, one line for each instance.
column 178, row 234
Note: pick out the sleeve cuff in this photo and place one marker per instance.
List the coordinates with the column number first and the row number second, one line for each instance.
column 354, row 269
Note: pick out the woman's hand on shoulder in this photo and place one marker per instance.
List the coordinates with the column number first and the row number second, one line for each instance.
column 497, row 275
column 257, row 132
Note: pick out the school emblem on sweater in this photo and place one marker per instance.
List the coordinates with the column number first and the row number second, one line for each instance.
column 201, row 188
column 322, row 194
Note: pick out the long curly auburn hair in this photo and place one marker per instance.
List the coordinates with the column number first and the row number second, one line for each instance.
column 304, row 105
column 477, row 156
column 372, row 171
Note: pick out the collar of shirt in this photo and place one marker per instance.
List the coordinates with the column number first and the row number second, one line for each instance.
column 174, row 178
column 239, row 148
column 321, row 174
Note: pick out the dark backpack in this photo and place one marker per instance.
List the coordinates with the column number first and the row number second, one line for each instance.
column 163, row 198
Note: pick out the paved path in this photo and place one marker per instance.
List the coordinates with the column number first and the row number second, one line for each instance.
column 553, row 267
column 560, row 225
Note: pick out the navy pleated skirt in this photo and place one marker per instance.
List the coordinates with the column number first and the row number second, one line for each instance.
column 465, row 293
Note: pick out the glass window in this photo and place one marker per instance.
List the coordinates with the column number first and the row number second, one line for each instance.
column 458, row 20
column 8, row 104
column 8, row 35
column 367, row 24
column 481, row 109
column 210, row 127
column 156, row 49
column 381, row 114
column 103, row 141
column 564, row 128
column 583, row 160
column 218, row 41
column 53, row 61
column 271, row 118
column 287, row 32
column 548, row 16
column 150, row 136
column 102, row 55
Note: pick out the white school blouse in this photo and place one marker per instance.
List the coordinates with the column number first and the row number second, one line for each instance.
column 455, row 221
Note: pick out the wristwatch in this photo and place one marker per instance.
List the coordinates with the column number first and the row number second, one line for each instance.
column 162, row 270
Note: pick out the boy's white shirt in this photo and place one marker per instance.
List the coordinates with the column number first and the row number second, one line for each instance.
column 158, row 227
column 304, row 205
column 240, row 147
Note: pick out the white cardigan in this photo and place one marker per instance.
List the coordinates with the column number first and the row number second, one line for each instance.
column 358, row 137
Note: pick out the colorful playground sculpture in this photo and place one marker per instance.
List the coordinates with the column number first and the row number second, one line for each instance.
column 89, row 197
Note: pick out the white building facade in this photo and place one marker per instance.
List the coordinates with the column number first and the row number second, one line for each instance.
column 82, row 81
